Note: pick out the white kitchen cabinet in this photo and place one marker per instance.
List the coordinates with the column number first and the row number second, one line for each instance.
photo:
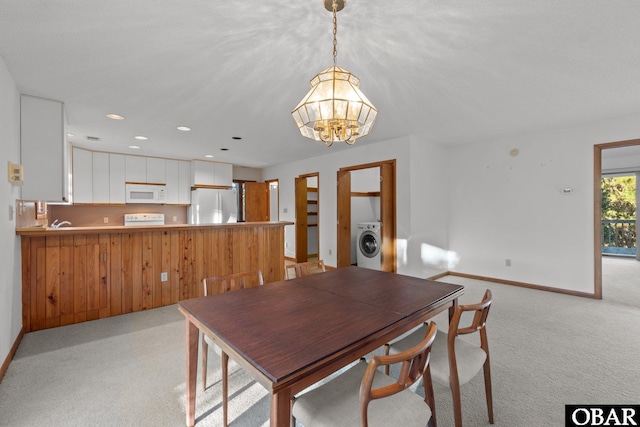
column 178, row 182
column 145, row 170
column 44, row 151
column 82, row 176
column 223, row 175
column 202, row 172
column 136, row 169
column 173, row 181
column 156, row 170
column 184, row 180
column 100, row 177
column 117, row 178
column 205, row 173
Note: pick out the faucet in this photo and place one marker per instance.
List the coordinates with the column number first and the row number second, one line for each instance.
column 56, row 224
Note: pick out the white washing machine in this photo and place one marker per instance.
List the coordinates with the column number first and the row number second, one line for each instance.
column 369, row 242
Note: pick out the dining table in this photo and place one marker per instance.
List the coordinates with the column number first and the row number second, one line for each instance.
column 290, row 334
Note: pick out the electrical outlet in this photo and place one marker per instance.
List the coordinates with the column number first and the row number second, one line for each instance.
column 106, row 220
column 507, row 262
column 175, row 218
column 329, row 251
column 164, row 276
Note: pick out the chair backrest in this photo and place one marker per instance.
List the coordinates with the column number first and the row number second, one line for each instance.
column 304, row 268
column 232, row 282
column 478, row 323
column 415, row 364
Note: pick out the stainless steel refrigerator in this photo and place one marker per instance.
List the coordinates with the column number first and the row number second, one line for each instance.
column 213, row 206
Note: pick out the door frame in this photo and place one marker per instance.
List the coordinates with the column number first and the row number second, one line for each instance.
column 597, row 209
column 387, row 213
column 268, row 182
column 302, row 222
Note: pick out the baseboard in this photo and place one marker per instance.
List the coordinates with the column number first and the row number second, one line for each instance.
column 522, row 285
column 439, row 276
column 12, row 353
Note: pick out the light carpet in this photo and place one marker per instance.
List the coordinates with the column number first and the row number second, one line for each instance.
column 547, row 350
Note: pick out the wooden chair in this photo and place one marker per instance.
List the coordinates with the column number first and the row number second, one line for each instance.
column 304, row 268
column 217, row 285
column 365, row 396
column 455, row 361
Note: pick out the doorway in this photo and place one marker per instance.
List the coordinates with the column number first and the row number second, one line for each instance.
column 307, row 196
column 274, row 199
column 387, row 194
column 630, row 146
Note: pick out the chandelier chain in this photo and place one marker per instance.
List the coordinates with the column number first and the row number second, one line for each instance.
column 335, row 32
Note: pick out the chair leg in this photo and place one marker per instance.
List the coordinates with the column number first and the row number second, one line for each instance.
column 205, row 352
column 387, row 347
column 225, row 388
column 487, row 389
column 429, row 396
column 454, row 384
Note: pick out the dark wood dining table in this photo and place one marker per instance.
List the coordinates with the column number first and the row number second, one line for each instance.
column 290, row 334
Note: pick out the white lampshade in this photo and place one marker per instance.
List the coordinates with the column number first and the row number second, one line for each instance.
column 334, row 109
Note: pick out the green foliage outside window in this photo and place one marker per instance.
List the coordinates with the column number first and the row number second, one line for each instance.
column 619, row 214
column 619, row 197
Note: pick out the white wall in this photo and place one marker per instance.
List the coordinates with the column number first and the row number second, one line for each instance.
column 10, row 261
column 327, row 166
column 471, row 207
column 424, row 240
column 247, row 174
column 421, row 198
column 505, row 207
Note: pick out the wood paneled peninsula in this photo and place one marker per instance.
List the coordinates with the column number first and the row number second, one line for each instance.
column 74, row 274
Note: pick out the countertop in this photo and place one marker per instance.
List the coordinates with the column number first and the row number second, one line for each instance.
column 48, row 231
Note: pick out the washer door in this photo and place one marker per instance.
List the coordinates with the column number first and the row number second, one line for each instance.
column 369, row 244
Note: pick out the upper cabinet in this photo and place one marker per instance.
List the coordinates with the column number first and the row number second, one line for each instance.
column 211, row 174
column 98, row 177
column 156, row 173
column 178, row 188
column 44, row 150
column 82, row 176
column 145, row 170
column 117, row 178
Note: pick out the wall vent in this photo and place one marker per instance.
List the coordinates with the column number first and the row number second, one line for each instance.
column 93, row 138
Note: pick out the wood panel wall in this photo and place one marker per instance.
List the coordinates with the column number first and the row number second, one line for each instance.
column 74, row 278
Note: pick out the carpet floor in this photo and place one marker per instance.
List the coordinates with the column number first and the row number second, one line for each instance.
column 547, row 350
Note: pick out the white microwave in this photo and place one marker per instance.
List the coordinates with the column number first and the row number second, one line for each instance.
column 146, row 193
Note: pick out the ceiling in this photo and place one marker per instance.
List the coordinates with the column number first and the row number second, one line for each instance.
column 451, row 72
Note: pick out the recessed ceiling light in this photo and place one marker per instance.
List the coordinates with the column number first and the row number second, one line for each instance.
column 209, row 156
column 134, row 147
column 184, row 128
column 236, row 137
column 71, row 134
column 115, row 116
column 141, row 138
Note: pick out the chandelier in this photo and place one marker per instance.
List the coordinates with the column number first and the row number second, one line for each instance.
column 334, row 109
